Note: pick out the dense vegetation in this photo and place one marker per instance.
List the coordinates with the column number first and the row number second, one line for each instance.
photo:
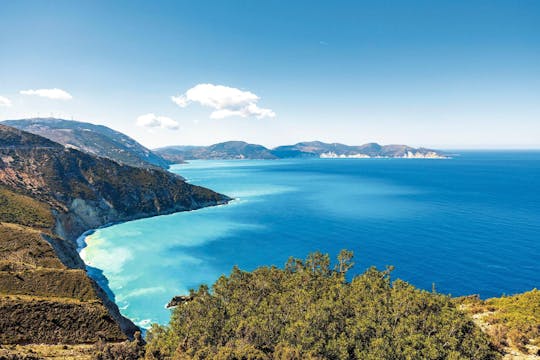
column 309, row 311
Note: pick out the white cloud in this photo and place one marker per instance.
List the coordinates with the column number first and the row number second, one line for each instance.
column 56, row 94
column 4, row 101
column 227, row 101
column 154, row 121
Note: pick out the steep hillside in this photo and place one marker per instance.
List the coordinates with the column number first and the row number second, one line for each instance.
column 49, row 195
column 94, row 139
column 86, row 191
column 44, row 301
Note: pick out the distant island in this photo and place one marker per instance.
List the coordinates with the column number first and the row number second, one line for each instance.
column 313, row 149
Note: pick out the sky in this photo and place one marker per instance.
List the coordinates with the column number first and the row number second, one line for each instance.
column 445, row 74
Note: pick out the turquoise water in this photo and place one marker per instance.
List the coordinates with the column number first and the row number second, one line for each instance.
column 471, row 225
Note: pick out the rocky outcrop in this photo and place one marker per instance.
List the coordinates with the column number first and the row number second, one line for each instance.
column 179, row 300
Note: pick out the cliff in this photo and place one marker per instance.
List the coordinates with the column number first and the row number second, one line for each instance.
column 86, row 191
column 49, row 195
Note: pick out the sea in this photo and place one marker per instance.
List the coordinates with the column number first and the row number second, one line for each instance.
column 465, row 225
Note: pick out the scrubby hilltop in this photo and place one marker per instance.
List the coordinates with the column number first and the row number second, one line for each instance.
column 94, row 139
column 49, row 195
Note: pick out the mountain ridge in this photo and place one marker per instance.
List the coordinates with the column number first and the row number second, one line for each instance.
column 308, row 149
column 98, row 140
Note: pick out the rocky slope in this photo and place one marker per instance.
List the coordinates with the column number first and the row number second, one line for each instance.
column 46, row 296
column 49, row 195
column 86, row 191
column 312, row 149
column 94, row 139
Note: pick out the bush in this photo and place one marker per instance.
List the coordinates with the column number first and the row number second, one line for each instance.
column 309, row 311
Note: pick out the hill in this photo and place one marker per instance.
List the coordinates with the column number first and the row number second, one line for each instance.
column 49, row 195
column 87, row 191
column 223, row 151
column 337, row 150
column 313, row 149
column 94, row 139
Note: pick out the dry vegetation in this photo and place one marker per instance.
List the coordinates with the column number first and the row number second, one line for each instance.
column 41, row 300
column 24, row 247
column 513, row 322
column 47, row 352
column 21, row 209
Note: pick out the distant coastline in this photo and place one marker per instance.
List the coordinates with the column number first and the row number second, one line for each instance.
column 312, row 149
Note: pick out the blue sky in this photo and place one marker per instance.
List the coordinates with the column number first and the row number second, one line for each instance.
column 446, row 74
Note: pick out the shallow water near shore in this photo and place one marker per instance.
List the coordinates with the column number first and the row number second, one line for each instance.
column 470, row 225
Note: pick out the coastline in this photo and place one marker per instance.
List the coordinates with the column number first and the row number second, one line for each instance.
column 97, row 274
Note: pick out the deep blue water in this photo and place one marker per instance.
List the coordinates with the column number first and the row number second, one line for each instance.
column 470, row 224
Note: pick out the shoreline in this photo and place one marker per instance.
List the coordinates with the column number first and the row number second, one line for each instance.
column 449, row 157
column 97, row 274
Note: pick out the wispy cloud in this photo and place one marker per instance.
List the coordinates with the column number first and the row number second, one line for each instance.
column 56, row 94
column 226, row 101
column 4, row 101
column 153, row 121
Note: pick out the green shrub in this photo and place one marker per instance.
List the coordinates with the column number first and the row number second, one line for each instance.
column 309, row 311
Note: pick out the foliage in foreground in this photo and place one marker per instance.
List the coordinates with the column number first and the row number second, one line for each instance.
column 309, row 311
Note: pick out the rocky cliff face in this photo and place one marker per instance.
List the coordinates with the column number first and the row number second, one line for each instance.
column 49, row 195
column 86, row 191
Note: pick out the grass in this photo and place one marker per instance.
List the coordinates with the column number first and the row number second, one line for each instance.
column 49, row 283
column 23, row 210
column 25, row 247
